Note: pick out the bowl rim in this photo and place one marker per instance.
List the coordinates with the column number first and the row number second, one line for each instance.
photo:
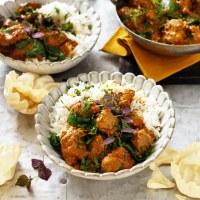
column 66, row 61
column 108, row 175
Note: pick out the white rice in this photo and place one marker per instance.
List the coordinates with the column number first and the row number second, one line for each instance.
column 64, row 13
column 147, row 107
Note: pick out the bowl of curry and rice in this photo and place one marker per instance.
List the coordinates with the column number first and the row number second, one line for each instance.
column 169, row 27
column 47, row 37
column 105, row 125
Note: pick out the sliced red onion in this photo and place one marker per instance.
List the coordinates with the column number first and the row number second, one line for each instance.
column 108, row 140
column 107, row 98
column 128, row 130
column 125, row 110
column 118, row 135
column 39, row 16
column 37, row 35
column 27, row 29
column 127, row 120
column 2, row 20
column 98, row 102
column 109, row 105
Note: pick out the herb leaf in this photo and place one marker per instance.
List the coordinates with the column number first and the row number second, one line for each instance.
column 55, row 141
column 67, row 27
column 96, row 163
column 23, row 43
column 137, row 158
column 44, row 172
column 85, row 164
column 37, row 48
column 36, row 163
column 55, row 54
column 24, row 181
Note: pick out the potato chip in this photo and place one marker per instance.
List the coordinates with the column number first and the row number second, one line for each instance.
column 166, row 157
column 25, row 92
column 9, row 155
column 180, row 197
column 159, row 181
column 185, row 169
column 45, row 82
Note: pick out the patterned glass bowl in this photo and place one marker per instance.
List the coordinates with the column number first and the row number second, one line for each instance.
column 42, row 121
column 46, row 67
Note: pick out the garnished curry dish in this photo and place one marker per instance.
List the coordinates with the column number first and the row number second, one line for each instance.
column 103, row 135
column 34, row 33
column 168, row 21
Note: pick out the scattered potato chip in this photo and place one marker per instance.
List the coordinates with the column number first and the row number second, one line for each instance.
column 159, row 181
column 180, row 197
column 166, row 157
column 24, row 92
column 9, row 155
column 185, row 169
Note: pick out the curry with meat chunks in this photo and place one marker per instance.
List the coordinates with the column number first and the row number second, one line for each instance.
column 172, row 22
column 105, row 135
column 32, row 34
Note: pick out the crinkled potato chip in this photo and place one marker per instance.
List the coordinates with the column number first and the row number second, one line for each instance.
column 9, row 155
column 180, row 197
column 159, row 181
column 166, row 157
column 24, row 92
column 185, row 169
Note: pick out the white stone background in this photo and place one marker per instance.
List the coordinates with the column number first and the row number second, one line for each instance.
column 18, row 128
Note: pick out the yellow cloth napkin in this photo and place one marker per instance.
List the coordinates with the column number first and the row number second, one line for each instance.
column 152, row 65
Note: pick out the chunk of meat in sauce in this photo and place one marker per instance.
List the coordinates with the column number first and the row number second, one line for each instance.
column 9, row 23
column 137, row 120
column 94, row 109
column 20, row 54
column 142, row 140
column 132, row 18
column 117, row 160
column 96, row 148
column 55, row 38
column 28, row 6
column 13, row 36
column 106, row 121
column 73, row 146
column 195, row 32
column 68, row 47
column 140, row 3
column 175, row 32
column 126, row 98
column 78, row 108
column 189, row 7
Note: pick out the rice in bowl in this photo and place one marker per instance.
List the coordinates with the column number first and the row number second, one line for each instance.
column 105, row 146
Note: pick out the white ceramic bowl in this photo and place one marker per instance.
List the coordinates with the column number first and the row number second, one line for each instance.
column 42, row 121
column 9, row 8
